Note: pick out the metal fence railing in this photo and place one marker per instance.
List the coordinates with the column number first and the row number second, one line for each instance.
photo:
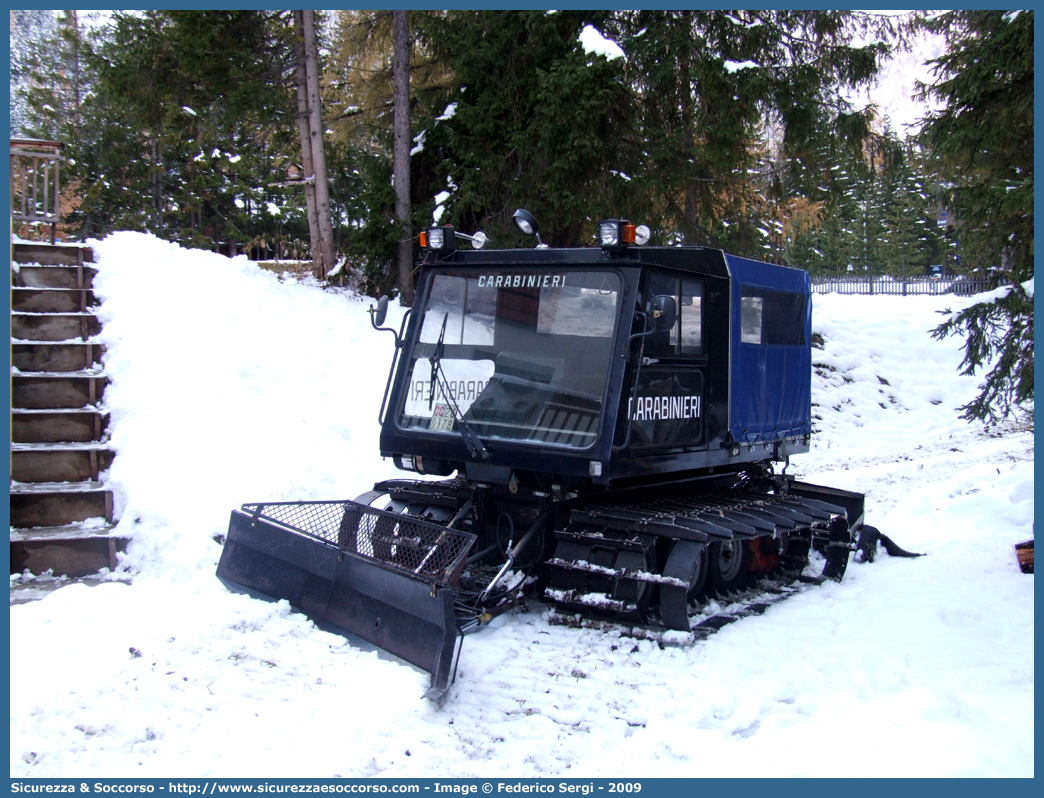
column 895, row 286
column 34, row 182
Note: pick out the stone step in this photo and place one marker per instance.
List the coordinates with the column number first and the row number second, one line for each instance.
column 57, row 389
column 52, row 300
column 73, row 550
column 51, row 254
column 56, row 504
column 59, row 462
column 45, row 425
column 26, row 327
column 68, row 356
column 36, row 275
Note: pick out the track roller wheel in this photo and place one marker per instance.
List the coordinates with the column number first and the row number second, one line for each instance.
column 634, row 591
column 729, row 565
column 687, row 562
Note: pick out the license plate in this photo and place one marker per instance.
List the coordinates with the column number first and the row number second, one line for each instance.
column 442, row 418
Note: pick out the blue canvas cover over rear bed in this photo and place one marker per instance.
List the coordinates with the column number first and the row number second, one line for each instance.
column 771, row 358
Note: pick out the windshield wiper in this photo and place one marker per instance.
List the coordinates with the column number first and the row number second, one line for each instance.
column 471, row 439
column 436, row 359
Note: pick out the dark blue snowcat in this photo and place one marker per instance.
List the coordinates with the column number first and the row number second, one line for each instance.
column 596, row 428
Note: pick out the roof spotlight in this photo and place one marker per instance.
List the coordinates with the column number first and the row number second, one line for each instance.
column 527, row 223
column 616, row 234
column 439, row 239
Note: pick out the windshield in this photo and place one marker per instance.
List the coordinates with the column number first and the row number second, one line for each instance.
column 524, row 355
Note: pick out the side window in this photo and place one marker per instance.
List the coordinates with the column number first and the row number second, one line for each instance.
column 690, row 313
column 751, row 313
column 686, row 337
column 772, row 318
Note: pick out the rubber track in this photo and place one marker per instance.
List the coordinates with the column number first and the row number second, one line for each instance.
column 586, row 577
column 754, row 601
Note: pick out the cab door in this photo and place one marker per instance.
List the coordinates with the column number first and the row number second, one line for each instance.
column 668, row 409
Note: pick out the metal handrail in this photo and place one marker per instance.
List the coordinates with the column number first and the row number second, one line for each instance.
column 35, row 165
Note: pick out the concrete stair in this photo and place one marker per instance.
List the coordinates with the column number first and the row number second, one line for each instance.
column 61, row 507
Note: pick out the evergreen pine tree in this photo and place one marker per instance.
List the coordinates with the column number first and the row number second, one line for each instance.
column 898, row 247
column 358, row 94
column 983, row 140
column 52, row 97
column 707, row 80
column 31, row 56
column 529, row 120
column 195, row 121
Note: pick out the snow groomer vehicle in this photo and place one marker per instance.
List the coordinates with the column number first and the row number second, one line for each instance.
column 596, row 428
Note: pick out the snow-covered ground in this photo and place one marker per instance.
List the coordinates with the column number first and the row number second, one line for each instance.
column 230, row 386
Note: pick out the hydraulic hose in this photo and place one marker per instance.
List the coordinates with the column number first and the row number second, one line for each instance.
column 514, row 552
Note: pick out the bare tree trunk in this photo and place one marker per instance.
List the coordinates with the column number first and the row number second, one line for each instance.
column 306, row 138
column 401, row 152
column 688, row 122
column 315, row 125
column 76, row 88
column 157, row 188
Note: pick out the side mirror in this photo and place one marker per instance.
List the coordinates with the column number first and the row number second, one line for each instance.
column 664, row 312
column 380, row 313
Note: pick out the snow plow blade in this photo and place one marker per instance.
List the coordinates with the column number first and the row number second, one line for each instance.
column 384, row 577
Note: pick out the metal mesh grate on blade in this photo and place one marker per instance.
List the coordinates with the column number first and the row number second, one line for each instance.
column 403, row 542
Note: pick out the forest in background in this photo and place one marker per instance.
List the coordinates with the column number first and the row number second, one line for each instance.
column 731, row 129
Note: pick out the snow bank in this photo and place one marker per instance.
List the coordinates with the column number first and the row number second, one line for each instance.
column 228, row 385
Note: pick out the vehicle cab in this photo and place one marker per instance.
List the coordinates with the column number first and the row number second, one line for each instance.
column 602, row 365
